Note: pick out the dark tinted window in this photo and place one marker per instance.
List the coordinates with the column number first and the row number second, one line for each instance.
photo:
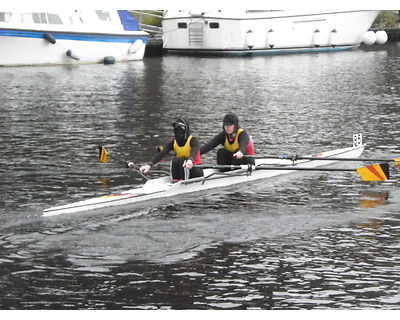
column 214, row 25
column 54, row 19
column 182, row 25
column 39, row 17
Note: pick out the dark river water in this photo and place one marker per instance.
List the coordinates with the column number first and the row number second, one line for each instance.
column 320, row 240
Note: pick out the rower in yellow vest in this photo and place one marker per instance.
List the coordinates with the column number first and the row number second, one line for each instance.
column 186, row 148
column 236, row 143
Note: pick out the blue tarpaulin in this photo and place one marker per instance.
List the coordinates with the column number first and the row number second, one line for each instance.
column 129, row 22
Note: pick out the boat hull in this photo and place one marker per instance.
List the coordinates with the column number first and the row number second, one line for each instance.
column 264, row 32
column 30, row 47
column 240, row 52
column 163, row 188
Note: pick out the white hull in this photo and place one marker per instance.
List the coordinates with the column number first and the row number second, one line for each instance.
column 263, row 32
column 25, row 43
column 163, row 188
column 17, row 51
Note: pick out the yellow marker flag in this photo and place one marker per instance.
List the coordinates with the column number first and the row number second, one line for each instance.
column 103, row 154
column 397, row 161
column 375, row 172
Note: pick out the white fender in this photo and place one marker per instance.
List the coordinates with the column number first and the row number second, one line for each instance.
column 381, row 37
column 333, row 38
column 317, row 38
column 271, row 38
column 134, row 47
column 72, row 55
column 250, row 39
column 369, row 38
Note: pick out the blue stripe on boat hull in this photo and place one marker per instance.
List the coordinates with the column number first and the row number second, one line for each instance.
column 128, row 38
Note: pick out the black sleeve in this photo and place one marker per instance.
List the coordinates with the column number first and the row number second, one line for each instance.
column 195, row 145
column 244, row 140
column 167, row 149
column 218, row 139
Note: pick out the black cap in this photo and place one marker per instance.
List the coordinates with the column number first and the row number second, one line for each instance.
column 230, row 119
column 179, row 123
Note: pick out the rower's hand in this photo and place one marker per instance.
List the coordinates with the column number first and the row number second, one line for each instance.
column 188, row 164
column 238, row 155
column 145, row 168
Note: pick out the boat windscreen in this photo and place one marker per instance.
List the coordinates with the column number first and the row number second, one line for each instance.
column 128, row 21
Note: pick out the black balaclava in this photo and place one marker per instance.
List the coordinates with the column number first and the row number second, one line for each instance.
column 181, row 131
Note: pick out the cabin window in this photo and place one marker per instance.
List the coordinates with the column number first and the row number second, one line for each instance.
column 103, row 15
column 54, row 18
column 182, row 25
column 40, row 17
column 5, row 17
column 214, row 25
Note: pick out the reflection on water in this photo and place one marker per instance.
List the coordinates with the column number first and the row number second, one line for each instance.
column 374, row 199
column 303, row 241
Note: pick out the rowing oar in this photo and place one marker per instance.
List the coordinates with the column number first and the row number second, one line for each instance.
column 103, row 157
column 296, row 157
column 375, row 172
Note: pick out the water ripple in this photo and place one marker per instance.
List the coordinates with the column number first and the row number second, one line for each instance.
column 305, row 241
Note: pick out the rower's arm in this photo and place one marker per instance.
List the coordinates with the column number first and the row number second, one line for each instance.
column 159, row 156
column 244, row 140
column 195, row 146
column 218, row 139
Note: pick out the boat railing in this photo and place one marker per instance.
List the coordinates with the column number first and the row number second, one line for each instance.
column 150, row 21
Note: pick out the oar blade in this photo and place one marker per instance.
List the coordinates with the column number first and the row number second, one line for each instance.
column 103, row 154
column 375, row 172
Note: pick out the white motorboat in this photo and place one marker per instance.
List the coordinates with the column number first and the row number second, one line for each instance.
column 69, row 37
column 265, row 168
column 250, row 32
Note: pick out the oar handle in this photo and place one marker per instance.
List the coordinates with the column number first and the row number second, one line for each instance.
column 131, row 165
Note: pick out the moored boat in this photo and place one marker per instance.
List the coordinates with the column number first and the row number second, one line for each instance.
column 265, row 168
column 69, row 37
column 249, row 32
